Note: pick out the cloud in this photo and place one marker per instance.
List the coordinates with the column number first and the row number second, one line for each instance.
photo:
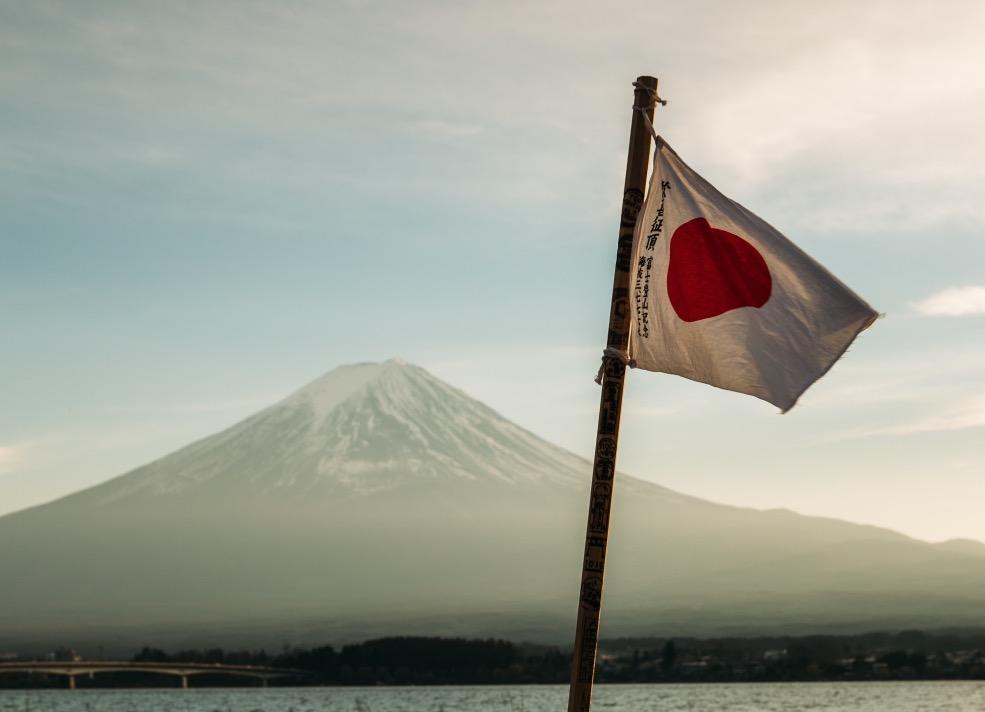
column 237, row 406
column 956, row 301
column 965, row 414
column 439, row 128
column 970, row 414
column 912, row 376
column 51, row 464
column 806, row 123
column 10, row 458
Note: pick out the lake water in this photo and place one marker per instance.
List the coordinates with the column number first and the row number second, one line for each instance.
column 790, row 697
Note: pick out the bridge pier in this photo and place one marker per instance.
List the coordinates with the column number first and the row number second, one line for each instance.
column 71, row 682
column 184, row 682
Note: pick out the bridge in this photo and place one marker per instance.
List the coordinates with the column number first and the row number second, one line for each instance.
column 183, row 670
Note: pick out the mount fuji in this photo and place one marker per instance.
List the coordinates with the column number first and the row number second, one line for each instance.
column 380, row 500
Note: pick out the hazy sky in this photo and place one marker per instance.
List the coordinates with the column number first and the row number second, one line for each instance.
column 204, row 205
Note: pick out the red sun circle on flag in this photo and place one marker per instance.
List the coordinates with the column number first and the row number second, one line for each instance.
column 714, row 271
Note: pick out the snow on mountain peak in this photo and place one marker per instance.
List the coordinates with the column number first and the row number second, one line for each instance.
column 359, row 429
column 327, row 392
column 396, row 421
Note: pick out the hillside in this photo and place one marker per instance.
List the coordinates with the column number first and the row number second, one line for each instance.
column 380, row 500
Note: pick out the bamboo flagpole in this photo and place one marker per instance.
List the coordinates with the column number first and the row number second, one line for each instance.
column 610, row 408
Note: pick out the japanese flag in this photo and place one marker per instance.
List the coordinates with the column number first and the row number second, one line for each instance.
column 721, row 297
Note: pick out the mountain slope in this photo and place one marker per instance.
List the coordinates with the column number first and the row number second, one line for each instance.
column 357, row 430
column 378, row 499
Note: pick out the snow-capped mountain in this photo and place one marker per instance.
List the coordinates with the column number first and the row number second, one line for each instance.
column 380, row 500
column 359, row 429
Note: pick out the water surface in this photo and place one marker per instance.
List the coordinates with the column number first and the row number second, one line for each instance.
column 961, row 696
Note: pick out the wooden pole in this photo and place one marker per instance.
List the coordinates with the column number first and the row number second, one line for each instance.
column 610, row 409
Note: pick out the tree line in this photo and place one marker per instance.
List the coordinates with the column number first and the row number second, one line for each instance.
column 459, row 661
column 398, row 661
column 438, row 661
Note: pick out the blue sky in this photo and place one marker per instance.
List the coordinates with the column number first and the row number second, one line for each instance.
column 205, row 205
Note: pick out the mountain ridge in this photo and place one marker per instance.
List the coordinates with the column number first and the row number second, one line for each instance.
column 377, row 492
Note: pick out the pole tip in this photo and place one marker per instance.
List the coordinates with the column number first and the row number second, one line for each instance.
column 647, row 87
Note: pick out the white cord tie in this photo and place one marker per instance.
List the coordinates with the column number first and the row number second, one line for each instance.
column 613, row 354
column 651, row 92
column 644, row 110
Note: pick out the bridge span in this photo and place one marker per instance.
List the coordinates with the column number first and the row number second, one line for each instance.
column 73, row 669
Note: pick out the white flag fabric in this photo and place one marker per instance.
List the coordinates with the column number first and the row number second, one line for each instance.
column 720, row 296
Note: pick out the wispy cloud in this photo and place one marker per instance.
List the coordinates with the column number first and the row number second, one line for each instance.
column 956, row 301
column 912, row 376
column 965, row 414
column 235, row 405
column 47, row 465
column 440, row 128
column 798, row 105
column 10, row 457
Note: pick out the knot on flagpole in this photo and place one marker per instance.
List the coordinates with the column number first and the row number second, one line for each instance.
column 613, row 354
column 651, row 92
